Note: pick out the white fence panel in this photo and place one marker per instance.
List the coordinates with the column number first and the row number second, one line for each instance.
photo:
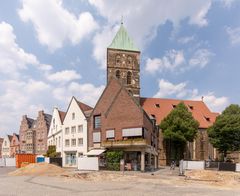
column 238, row 167
column 193, row 165
column 88, row 163
column 47, row 160
column 10, row 162
column 2, row 162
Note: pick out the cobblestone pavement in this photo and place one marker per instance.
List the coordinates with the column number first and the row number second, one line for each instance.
column 165, row 182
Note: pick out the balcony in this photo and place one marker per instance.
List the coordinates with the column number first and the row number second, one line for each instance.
column 125, row 143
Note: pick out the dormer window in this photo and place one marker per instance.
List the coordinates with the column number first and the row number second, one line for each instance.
column 207, row 119
column 153, row 115
column 157, row 105
column 191, row 107
column 174, row 106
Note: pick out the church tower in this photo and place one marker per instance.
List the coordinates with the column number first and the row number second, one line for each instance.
column 123, row 62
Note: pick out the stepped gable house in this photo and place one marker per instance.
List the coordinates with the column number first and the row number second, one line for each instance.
column 33, row 133
column 118, row 122
column 14, row 145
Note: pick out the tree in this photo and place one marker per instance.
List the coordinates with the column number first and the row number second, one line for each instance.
column 178, row 128
column 224, row 134
column 51, row 152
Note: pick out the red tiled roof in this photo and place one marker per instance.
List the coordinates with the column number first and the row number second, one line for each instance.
column 159, row 108
column 62, row 115
column 84, row 106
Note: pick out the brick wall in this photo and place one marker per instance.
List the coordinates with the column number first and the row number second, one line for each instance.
column 41, row 133
column 24, row 126
column 118, row 110
column 14, row 146
column 124, row 66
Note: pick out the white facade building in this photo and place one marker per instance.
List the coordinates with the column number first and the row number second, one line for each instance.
column 74, row 132
column 6, row 150
column 55, row 130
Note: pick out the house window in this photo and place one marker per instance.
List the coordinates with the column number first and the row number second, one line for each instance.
column 97, row 121
column 73, row 129
column 80, row 141
column 67, row 143
column 157, row 105
column 80, row 128
column 73, row 116
column 118, row 74
column 96, row 137
column 73, row 142
column 129, row 77
column 110, row 134
column 67, row 130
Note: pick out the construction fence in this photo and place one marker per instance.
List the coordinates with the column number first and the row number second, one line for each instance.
column 208, row 165
column 7, row 162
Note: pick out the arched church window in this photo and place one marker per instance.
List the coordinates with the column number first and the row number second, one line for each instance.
column 129, row 60
column 118, row 74
column 129, row 77
column 118, row 59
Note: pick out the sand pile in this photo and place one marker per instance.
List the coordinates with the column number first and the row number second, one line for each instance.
column 214, row 177
column 39, row 169
column 104, row 176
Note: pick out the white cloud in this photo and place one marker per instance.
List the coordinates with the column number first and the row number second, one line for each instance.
column 101, row 41
column 234, row 35
column 12, row 57
column 200, row 58
column 64, row 76
column 171, row 61
column 143, row 18
column 27, row 94
column 168, row 89
column 88, row 93
column 227, row 3
column 185, row 40
column 54, row 24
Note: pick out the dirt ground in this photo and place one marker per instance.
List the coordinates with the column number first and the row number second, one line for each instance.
column 47, row 179
column 220, row 178
column 209, row 177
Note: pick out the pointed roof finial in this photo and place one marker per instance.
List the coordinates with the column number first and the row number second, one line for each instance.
column 122, row 20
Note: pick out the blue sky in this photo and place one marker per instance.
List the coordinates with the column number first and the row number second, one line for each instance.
column 52, row 50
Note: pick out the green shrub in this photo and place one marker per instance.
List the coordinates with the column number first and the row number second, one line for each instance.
column 113, row 158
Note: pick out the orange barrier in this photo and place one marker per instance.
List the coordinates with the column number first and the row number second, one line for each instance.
column 23, row 159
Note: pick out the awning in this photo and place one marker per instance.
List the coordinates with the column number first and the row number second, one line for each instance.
column 95, row 152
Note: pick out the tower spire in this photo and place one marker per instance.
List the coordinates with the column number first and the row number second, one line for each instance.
column 122, row 20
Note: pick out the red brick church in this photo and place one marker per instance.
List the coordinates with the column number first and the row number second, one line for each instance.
column 122, row 119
